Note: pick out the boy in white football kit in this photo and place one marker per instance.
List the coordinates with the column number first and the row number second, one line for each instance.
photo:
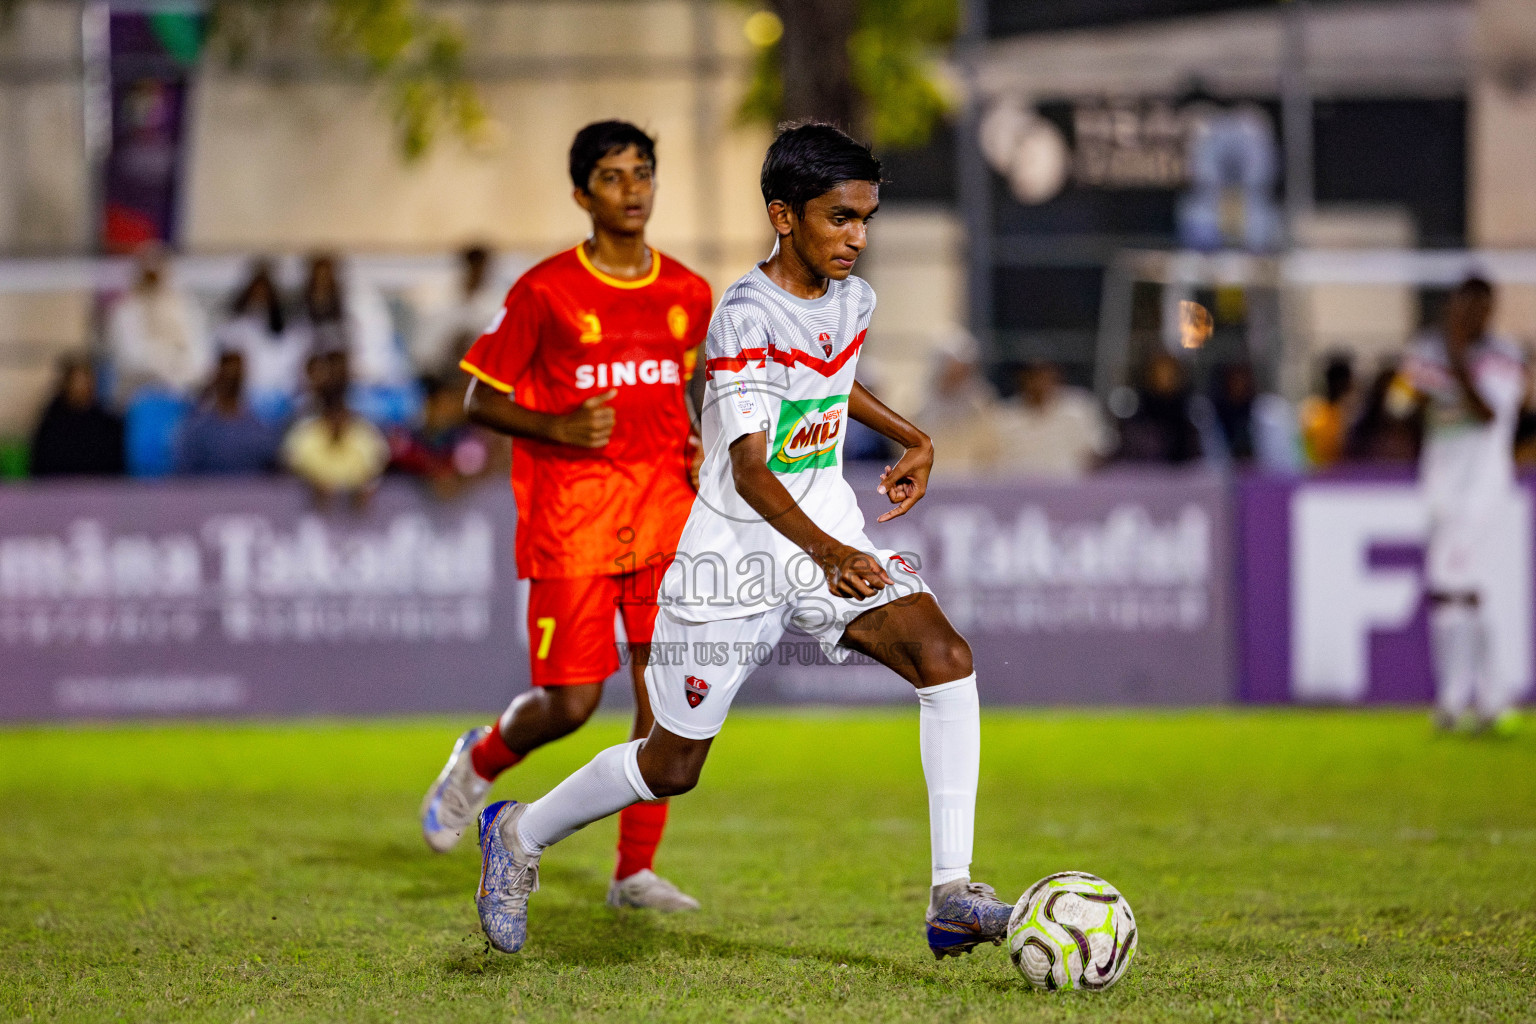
column 1470, row 386
column 774, row 539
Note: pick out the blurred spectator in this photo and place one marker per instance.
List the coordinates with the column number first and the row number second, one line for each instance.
column 1325, row 418
column 961, row 411
column 156, row 333
column 354, row 319
column 1378, row 435
column 76, row 435
column 1158, row 426
column 1049, row 429
column 335, row 451
column 273, row 344
column 447, row 331
column 223, row 436
column 445, row 450
column 1247, row 427
column 324, row 309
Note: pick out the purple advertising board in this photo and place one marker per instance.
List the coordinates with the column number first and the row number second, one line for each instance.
column 1332, row 590
column 135, row 599
column 240, row 598
column 1110, row 590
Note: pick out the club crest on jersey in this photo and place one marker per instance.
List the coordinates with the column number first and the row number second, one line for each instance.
column 697, row 689
column 826, row 342
column 807, row 434
column 677, row 322
column 591, row 329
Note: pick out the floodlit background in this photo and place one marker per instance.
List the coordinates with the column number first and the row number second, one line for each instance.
column 1068, row 184
column 1145, row 271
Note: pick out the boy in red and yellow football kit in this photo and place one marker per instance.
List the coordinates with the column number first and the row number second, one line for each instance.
column 586, row 366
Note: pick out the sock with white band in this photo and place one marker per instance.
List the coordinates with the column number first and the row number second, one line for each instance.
column 608, row 783
column 949, row 737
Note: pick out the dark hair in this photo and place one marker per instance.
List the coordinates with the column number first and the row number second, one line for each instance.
column 604, row 138
column 261, row 277
column 1475, row 285
column 1338, row 377
column 808, row 160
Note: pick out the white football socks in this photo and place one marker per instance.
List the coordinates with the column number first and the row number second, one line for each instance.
column 1456, row 633
column 949, row 737
column 609, row 782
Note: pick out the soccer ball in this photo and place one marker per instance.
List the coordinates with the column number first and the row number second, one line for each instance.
column 1072, row 930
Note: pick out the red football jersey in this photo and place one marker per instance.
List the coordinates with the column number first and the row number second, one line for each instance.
column 566, row 332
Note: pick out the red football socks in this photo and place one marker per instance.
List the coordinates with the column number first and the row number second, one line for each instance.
column 640, row 827
column 491, row 756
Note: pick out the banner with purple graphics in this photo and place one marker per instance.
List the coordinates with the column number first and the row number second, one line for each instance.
column 137, row 599
column 1333, row 610
column 241, row 598
column 1110, row 590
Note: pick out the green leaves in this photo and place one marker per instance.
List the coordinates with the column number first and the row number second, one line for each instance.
column 418, row 58
column 896, row 60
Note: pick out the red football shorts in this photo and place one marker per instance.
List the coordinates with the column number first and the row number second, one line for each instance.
column 571, row 638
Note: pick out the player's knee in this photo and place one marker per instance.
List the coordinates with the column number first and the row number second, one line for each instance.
column 672, row 780
column 945, row 660
column 570, row 707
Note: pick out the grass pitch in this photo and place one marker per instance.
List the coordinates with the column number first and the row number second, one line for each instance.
column 1283, row 866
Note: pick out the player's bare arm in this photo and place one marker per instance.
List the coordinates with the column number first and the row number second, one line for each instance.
column 907, row 481
column 850, row 572
column 589, row 425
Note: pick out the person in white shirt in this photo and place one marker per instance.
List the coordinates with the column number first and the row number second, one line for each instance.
column 1050, row 430
column 960, row 414
column 447, row 329
column 273, row 343
column 157, row 334
column 1470, row 387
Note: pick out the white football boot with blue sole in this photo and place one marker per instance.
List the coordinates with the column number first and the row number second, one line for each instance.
column 509, row 874
column 963, row 915
column 456, row 797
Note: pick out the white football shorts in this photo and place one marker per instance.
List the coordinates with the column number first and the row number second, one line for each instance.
column 695, row 668
column 1463, row 551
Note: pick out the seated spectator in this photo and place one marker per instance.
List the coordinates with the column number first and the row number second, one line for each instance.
column 156, row 333
column 960, row 413
column 335, row 451
column 447, row 330
column 1159, row 428
column 76, row 435
column 1325, row 418
column 355, row 319
column 1246, row 427
column 1050, row 430
column 222, row 436
column 274, row 345
column 445, row 450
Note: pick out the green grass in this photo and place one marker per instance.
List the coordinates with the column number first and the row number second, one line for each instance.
column 1284, row 866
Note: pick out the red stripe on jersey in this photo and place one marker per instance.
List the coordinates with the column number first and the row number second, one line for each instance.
column 786, row 357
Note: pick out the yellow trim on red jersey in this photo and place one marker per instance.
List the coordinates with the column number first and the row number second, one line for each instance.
column 618, row 282
column 471, row 368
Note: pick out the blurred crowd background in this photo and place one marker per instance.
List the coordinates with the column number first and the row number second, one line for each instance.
column 269, row 261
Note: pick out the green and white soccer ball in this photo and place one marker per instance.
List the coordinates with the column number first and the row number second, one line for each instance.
column 1072, row 930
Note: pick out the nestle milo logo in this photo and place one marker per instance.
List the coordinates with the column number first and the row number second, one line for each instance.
column 807, row 434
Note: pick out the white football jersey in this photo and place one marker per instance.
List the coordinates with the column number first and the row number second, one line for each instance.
column 785, row 366
column 1466, row 463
